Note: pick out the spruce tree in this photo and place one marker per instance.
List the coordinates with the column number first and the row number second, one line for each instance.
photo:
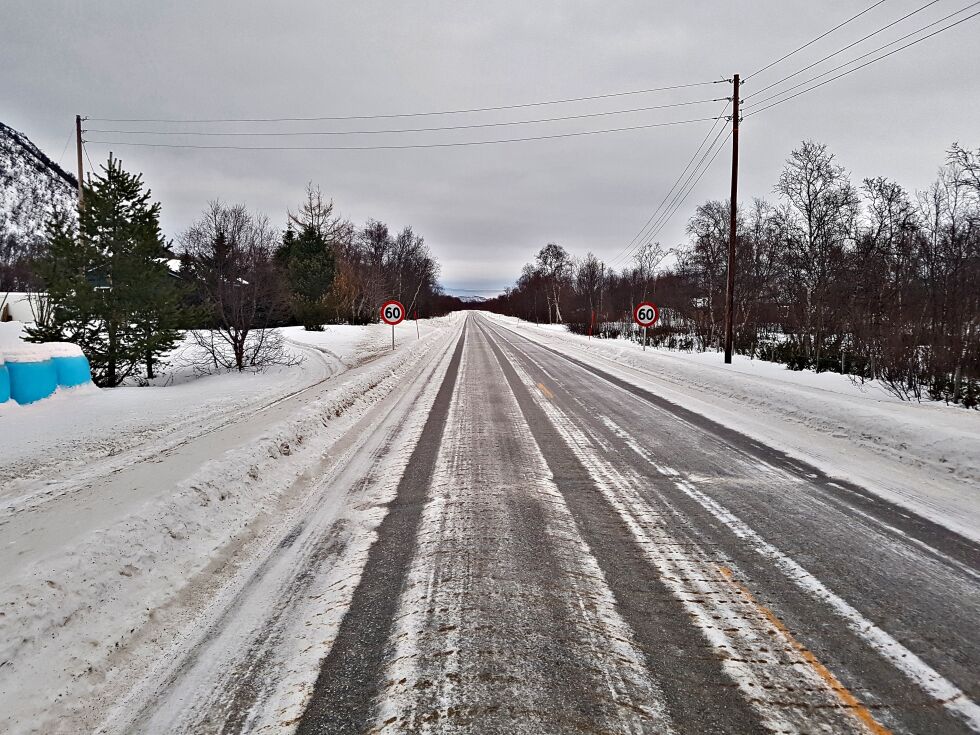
column 63, row 269
column 108, row 284
column 310, row 267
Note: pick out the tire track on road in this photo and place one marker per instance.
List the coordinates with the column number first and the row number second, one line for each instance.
column 348, row 676
column 250, row 658
column 939, row 692
column 700, row 697
column 506, row 623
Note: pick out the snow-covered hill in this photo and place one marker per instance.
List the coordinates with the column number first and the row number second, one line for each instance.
column 32, row 187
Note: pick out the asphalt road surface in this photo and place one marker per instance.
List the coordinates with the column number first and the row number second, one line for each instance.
column 568, row 553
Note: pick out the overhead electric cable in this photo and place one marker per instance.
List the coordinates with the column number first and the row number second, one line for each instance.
column 404, row 146
column 862, row 56
column 693, row 180
column 65, row 149
column 663, row 201
column 607, row 95
column 239, row 133
column 851, row 71
column 647, row 231
column 645, row 235
column 91, row 166
column 810, row 43
column 845, row 48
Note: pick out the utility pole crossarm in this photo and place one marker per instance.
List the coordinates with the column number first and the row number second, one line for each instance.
column 733, row 215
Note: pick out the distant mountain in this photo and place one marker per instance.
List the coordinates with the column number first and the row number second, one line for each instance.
column 471, row 295
column 32, row 187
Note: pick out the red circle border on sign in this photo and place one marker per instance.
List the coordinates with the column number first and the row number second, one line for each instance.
column 392, row 303
column 656, row 313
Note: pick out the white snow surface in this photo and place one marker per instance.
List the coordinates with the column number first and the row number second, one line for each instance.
column 11, row 335
column 922, row 456
column 47, row 441
column 20, row 306
column 116, row 504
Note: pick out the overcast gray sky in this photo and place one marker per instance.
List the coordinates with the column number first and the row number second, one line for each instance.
column 484, row 210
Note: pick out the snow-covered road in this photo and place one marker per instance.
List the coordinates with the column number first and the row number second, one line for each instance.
column 124, row 511
column 495, row 531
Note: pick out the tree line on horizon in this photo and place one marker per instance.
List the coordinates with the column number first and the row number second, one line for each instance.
column 109, row 281
column 868, row 280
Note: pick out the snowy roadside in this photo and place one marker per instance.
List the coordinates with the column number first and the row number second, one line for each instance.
column 55, row 444
column 70, row 607
column 925, row 457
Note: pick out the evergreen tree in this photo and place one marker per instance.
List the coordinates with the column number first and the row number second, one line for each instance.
column 108, row 284
column 310, row 269
column 71, row 298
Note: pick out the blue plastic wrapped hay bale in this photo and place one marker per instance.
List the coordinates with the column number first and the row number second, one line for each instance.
column 4, row 382
column 70, row 364
column 33, row 375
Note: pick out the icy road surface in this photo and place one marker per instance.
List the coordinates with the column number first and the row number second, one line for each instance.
column 518, row 541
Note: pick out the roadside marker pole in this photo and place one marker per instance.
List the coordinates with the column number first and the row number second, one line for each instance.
column 418, row 334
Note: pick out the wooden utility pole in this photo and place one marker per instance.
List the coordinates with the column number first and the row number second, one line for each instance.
column 730, row 294
column 78, row 146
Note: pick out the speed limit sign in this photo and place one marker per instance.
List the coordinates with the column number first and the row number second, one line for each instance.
column 646, row 314
column 392, row 312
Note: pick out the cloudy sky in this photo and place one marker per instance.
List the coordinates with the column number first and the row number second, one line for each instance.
column 483, row 209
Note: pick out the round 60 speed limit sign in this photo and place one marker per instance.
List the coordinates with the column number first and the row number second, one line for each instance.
column 392, row 312
column 646, row 314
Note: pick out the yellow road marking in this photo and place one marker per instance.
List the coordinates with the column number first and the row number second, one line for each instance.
column 547, row 393
column 842, row 693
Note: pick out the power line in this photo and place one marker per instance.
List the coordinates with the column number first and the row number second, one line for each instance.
column 671, row 208
column 663, row 201
column 65, row 149
column 862, row 56
column 607, row 95
column 406, row 146
column 682, row 195
column 858, row 68
column 678, row 198
column 810, row 43
column 410, row 130
column 90, row 165
column 846, row 48
column 659, row 221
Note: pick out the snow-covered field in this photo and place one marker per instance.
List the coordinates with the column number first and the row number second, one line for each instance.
column 60, row 437
column 924, row 456
column 115, row 504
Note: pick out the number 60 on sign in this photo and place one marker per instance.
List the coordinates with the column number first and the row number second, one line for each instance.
column 392, row 312
column 646, row 314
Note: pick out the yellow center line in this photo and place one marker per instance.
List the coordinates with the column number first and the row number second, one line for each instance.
column 547, row 393
column 842, row 692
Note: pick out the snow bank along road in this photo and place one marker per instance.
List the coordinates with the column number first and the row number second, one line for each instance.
column 518, row 541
